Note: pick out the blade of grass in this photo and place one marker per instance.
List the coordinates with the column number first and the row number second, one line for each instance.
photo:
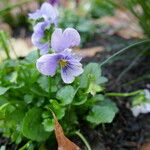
column 123, row 50
column 131, row 65
column 4, row 43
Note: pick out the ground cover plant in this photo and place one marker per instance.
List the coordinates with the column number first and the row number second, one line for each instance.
column 27, row 96
column 52, row 78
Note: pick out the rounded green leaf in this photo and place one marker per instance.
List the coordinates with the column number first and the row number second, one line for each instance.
column 103, row 113
column 66, row 94
column 33, row 127
column 92, row 73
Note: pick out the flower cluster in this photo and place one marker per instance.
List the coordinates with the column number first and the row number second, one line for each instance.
column 61, row 44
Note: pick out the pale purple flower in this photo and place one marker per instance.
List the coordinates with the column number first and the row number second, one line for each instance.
column 38, row 35
column 50, row 16
column 69, row 63
column 47, row 11
column 62, row 40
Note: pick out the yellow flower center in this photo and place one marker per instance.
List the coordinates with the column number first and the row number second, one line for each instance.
column 63, row 63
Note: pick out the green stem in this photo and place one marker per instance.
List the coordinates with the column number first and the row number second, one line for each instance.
column 123, row 94
column 4, row 41
column 84, row 140
column 49, row 80
column 123, row 50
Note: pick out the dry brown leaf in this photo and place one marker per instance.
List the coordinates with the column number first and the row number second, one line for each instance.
column 63, row 142
column 122, row 23
column 89, row 52
column 145, row 146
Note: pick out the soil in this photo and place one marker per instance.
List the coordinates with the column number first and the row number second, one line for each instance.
column 125, row 132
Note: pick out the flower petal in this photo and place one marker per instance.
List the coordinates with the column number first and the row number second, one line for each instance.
column 75, row 69
column 49, row 12
column 64, row 40
column 44, row 47
column 36, row 15
column 70, row 38
column 67, row 76
column 47, row 64
column 56, row 40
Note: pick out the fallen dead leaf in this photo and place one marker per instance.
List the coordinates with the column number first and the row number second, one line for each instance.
column 145, row 146
column 63, row 142
column 122, row 23
column 89, row 52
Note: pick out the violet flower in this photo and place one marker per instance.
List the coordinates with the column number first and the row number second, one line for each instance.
column 38, row 35
column 47, row 11
column 50, row 16
column 62, row 40
column 69, row 63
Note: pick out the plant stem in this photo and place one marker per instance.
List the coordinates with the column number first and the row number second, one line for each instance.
column 124, row 94
column 122, row 50
column 49, row 80
column 4, row 43
column 84, row 140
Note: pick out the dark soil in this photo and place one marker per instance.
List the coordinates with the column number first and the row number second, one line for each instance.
column 126, row 132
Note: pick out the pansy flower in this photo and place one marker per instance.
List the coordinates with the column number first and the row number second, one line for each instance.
column 47, row 12
column 50, row 16
column 38, row 35
column 69, row 63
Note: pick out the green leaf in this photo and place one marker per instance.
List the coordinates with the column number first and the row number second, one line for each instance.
column 102, row 113
column 80, row 100
column 32, row 125
column 3, row 100
column 92, row 73
column 58, row 109
column 48, row 124
column 15, row 116
column 3, row 90
column 66, row 95
column 28, row 98
column 44, row 83
column 16, row 136
column 94, row 88
column 3, row 110
column 13, row 77
column 32, row 56
column 140, row 98
column 103, row 80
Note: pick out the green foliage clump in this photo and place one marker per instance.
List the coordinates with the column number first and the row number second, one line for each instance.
column 26, row 98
